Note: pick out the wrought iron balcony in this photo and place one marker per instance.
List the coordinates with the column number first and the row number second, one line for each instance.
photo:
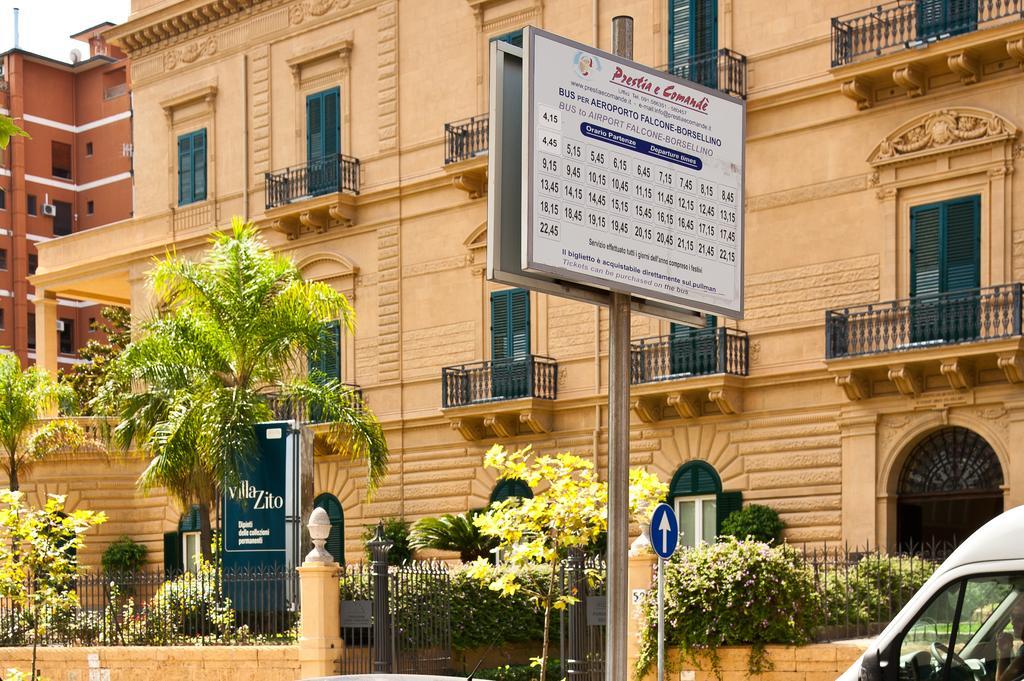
column 333, row 174
column 723, row 70
column 924, row 321
column 693, row 352
column 465, row 139
column 500, row 379
column 904, row 24
column 287, row 410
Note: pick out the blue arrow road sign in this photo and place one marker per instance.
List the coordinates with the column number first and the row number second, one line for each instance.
column 664, row 530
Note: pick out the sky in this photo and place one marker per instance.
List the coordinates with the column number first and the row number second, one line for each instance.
column 46, row 24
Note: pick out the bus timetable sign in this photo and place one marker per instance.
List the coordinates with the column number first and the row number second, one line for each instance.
column 633, row 178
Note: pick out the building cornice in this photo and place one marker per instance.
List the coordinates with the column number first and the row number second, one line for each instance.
column 150, row 29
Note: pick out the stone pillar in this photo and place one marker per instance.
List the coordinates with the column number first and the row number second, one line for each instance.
column 859, row 479
column 1013, row 477
column 46, row 330
column 641, row 576
column 320, row 629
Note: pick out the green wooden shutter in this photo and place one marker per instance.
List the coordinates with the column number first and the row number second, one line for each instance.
column 510, row 343
column 726, row 503
column 937, row 18
column 329, row 360
column 679, row 42
column 173, row 560
column 926, row 250
column 336, row 539
column 519, row 323
column 508, row 488
column 931, row 18
column 962, row 244
column 185, row 170
column 199, row 165
column 705, row 26
column 314, row 126
column 500, row 340
column 694, row 478
column 331, row 124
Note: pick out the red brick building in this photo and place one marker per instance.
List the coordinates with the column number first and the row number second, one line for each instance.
column 74, row 173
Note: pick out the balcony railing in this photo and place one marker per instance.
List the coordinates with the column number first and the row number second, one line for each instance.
column 903, row 24
column 466, row 139
column 723, row 70
column 499, row 379
column 314, row 178
column 286, row 410
column 924, row 321
column 692, row 352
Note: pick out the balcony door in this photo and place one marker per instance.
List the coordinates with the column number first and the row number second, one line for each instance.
column 510, row 344
column 943, row 18
column 945, row 260
column 323, row 135
column 693, row 351
column 693, row 40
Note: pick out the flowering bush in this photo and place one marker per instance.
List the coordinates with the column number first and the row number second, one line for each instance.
column 874, row 589
column 732, row 593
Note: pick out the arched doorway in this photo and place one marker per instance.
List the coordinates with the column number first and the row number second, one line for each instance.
column 950, row 486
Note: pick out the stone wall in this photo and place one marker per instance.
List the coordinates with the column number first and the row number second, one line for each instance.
column 172, row 663
column 817, row 662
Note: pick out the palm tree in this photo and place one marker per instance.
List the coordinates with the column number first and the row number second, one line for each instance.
column 25, row 397
column 453, row 533
column 205, row 369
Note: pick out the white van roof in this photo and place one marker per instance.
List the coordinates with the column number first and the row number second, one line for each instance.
column 998, row 539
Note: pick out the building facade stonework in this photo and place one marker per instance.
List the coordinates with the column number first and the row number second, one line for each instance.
column 872, row 394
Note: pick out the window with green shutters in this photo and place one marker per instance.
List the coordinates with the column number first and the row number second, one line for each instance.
column 694, row 351
column 324, row 364
column 942, row 18
column 693, row 32
column 192, row 167
column 696, row 494
column 945, row 257
column 323, row 141
column 336, row 539
column 510, row 343
column 512, row 38
column 509, row 488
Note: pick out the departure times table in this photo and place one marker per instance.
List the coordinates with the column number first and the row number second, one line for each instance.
column 634, row 180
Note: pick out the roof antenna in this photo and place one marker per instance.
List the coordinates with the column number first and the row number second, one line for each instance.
column 16, row 12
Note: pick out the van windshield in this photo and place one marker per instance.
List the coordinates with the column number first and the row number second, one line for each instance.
column 971, row 631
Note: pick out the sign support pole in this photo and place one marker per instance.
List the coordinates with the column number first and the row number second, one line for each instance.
column 661, row 619
column 616, row 664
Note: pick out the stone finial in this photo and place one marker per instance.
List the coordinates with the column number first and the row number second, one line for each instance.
column 319, row 529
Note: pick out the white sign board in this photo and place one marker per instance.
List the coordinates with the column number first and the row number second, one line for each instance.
column 634, row 178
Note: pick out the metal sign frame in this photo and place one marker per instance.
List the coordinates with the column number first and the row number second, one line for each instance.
column 504, row 206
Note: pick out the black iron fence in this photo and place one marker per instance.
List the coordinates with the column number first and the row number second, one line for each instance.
column 862, row 590
column 922, row 321
column 395, row 619
column 465, row 139
column 315, row 177
column 722, row 69
column 690, row 352
column 903, row 24
column 211, row 606
column 499, row 379
column 582, row 625
column 287, row 409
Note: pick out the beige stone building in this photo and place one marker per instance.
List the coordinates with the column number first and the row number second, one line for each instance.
column 872, row 393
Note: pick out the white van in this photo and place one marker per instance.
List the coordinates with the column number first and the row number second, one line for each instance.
column 966, row 622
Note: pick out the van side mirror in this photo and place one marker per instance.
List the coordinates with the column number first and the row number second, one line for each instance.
column 871, row 667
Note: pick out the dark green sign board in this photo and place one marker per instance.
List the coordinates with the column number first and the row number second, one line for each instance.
column 256, row 524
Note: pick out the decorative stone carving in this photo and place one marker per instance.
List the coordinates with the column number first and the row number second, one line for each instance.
column 1015, row 48
column 957, row 373
column 317, row 8
column 966, row 65
column 685, row 406
column 537, row 421
column 1012, row 364
column 941, row 131
column 906, row 380
column 470, row 429
column 503, row 425
column 855, row 387
column 190, row 52
column 647, row 409
column 912, row 77
column 860, row 91
column 892, row 427
column 726, row 399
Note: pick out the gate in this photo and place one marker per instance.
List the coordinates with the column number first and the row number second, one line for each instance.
column 395, row 619
column 582, row 624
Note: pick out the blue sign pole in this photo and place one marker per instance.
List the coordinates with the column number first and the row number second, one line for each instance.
column 664, row 533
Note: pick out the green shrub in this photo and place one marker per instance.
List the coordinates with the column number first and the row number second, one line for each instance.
column 191, row 605
column 520, row 672
column 124, row 556
column 397, row 530
column 754, row 522
column 732, row 593
column 874, row 589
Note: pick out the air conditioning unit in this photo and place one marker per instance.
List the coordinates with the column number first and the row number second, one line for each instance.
column 60, row 325
column 49, row 209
